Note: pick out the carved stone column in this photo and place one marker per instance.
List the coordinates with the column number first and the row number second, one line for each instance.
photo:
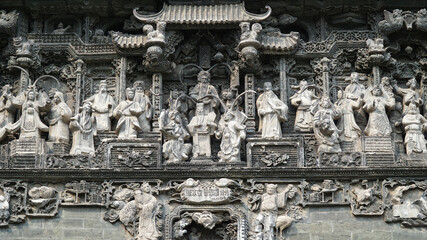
column 325, row 75
column 121, row 79
column 157, row 99
column 283, row 80
column 23, row 80
column 79, row 78
column 250, row 102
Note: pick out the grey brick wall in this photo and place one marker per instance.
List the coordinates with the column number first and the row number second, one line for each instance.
column 319, row 223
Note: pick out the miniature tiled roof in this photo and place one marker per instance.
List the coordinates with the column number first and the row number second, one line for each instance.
column 127, row 41
column 278, row 42
column 205, row 14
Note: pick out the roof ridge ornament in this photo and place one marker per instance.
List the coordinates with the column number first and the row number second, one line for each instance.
column 206, row 14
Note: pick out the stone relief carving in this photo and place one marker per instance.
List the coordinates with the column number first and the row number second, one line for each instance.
column 102, row 106
column 127, row 113
column 329, row 132
column 272, row 111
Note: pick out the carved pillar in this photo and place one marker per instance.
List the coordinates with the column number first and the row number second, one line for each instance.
column 79, row 78
column 23, row 80
column 121, row 86
column 250, row 102
column 157, row 99
column 283, row 80
column 325, row 75
column 376, row 74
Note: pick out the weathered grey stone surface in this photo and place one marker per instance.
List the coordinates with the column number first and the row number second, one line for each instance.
column 213, row 120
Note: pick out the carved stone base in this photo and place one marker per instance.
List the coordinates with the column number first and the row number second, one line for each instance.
column 379, row 151
column 27, row 147
column 413, row 160
column 284, row 152
column 27, row 153
column 138, row 153
column 58, row 148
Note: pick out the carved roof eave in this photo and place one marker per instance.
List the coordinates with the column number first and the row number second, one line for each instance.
column 279, row 44
column 205, row 14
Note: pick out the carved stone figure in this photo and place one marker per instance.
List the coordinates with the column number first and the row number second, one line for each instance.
column 102, row 106
column 4, row 209
column 61, row 29
column 355, row 89
column 99, row 38
column 7, row 109
column 146, row 205
column 232, row 133
column 272, row 112
column 393, row 21
column 83, row 128
column 249, row 34
column 59, row 118
column 303, row 99
column 127, row 113
column 175, row 149
column 30, row 124
column 325, row 130
column 415, row 125
column 376, row 105
column 145, row 103
column 157, row 35
column 375, row 46
column 409, row 95
column 201, row 127
column 386, row 87
column 271, row 201
column 23, row 46
column 205, row 93
column 421, row 20
column 347, row 125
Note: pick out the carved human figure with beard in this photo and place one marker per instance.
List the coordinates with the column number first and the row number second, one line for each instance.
column 200, row 93
column 272, row 112
column 83, row 127
column 144, row 101
column 102, row 106
column 303, row 99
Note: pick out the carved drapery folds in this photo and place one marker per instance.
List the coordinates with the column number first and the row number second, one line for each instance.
column 209, row 120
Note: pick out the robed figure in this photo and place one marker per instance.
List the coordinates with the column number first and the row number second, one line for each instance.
column 350, row 131
column 205, row 93
column 127, row 112
column 304, row 98
column 415, row 125
column 30, row 124
column 7, row 109
column 83, row 128
column 232, row 132
column 325, row 130
column 144, row 206
column 272, row 112
column 102, row 106
column 376, row 105
column 144, row 101
column 59, row 118
column 409, row 95
column 201, row 127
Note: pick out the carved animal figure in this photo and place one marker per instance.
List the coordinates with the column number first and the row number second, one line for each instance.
column 283, row 222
